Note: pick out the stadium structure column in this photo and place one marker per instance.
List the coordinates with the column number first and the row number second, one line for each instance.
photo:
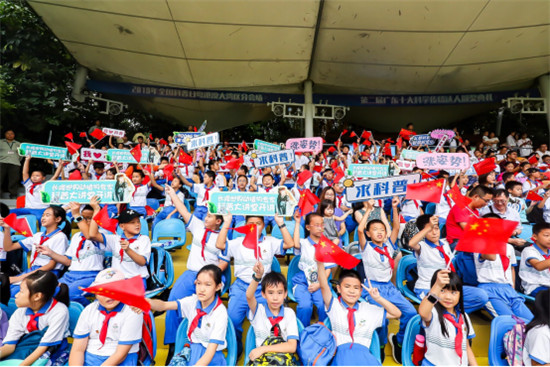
column 308, row 108
column 544, row 87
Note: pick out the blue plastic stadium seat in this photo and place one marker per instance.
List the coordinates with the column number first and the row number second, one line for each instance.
column 430, row 209
column 230, row 337
column 170, row 233
column 290, row 225
column 499, row 326
column 153, row 203
column 75, row 309
column 407, row 264
column 228, row 279
column 292, row 270
column 411, row 331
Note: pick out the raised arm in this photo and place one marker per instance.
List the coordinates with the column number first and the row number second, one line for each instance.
column 26, row 165
column 222, row 236
column 426, row 307
column 58, row 171
column 287, row 238
column 363, row 224
column 415, row 240
column 180, row 206
column 251, row 290
column 93, row 233
column 326, row 291
column 395, row 224
column 296, row 237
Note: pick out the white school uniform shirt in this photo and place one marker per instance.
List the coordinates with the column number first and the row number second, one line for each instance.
column 90, row 257
column 493, row 271
column 220, row 180
column 168, row 200
column 410, row 208
column 187, row 171
column 510, row 214
column 142, row 245
column 124, row 329
column 140, row 195
column 94, row 176
column 546, row 211
column 271, row 190
column 212, row 254
column 308, row 262
column 377, row 267
column 33, row 201
column 57, row 242
column 55, row 318
column 200, row 190
column 367, row 319
column 429, row 261
column 441, row 349
column 212, row 327
column 536, row 345
column 443, row 208
column 262, row 326
column 531, row 278
column 341, row 200
column 2, row 252
column 244, row 259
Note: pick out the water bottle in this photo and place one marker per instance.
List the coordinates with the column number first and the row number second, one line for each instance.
column 419, row 350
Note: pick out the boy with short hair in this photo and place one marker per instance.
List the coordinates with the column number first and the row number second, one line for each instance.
column 272, row 318
column 534, row 269
column 139, row 198
column 203, row 191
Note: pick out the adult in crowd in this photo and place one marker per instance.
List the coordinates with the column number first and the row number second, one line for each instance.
column 10, row 163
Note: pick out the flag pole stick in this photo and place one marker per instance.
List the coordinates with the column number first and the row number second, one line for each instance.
column 451, row 260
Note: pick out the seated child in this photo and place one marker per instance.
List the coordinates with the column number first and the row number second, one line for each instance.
column 108, row 332
column 537, row 340
column 535, row 261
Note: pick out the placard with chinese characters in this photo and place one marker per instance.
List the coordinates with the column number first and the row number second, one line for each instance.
column 314, row 145
column 114, row 132
column 424, row 139
column 265, row 147
column 124, row 156
column 368, row 170
column 96, row 155
column 274, row 158
column 378, row 188
column 281, row 202
column 447, row 161
column 182, row 138
column 45, row 152
column 203, row 141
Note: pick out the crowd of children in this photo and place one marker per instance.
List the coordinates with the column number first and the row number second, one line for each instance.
column 450, row 285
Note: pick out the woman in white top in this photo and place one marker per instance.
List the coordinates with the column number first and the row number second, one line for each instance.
column 537, row 340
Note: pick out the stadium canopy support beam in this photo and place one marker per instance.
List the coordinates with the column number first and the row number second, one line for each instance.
column 544, row 87
column 308, row 108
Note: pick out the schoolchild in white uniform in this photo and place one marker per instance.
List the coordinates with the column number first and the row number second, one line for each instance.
column 169, row 210
column 447, row 326
column 34, row 184
column 306, row 281
column 108, row 332
column 203, row 252
column 203, row 191
column 379, row 256
column 131, row 250
column 534, row 269
column 206, row 315
column 42, row 308
column 353, row 322
column 84, row 257
column 537, row 340
column 496, row 276
column 244, row 259
column 53, row 238
column 272, row 318
column 139, row 197
column 434, row 253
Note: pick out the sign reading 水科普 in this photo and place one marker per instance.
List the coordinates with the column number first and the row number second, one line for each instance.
column 378, row 188
column 115, row 191
column 281, row 202
column 203, row 141
column 418, row 140
column 114, row 132
column 274, row 158
column 44, row 152
column 183, row 137
column 368, row 170
column 96, row 155
column 265, row 147
column 124, row 156
column 410, row 154
column 447, row 161
column 314, row 145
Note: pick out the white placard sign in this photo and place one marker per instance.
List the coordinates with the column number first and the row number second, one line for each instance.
column 96, row 155
column 203, row 141
column 378, row 188
column 114, row 132
column 274, row 158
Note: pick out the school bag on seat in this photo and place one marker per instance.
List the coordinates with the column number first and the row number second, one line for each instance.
column 161, row 271
column 513, row 342
column 317, row 345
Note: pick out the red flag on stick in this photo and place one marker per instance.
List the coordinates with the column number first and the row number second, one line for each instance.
column 426, row 191
column 128, row 291
column 456, row 196
column 82, row 135
column 352, row 134
column 486, row 235
column 136, row 153
column 98, row 134
column 149, row 211
column 307, row 202
column 234, row 163
column 250, row 240
column 69, row 136
column 485, row 166
column 73, row 147
column 406, row 134
column 303, row 177
column 243, row 146
column 327, row 251
column 533, row 196
column 185, row 158
column 102, row 219
column 533, row 159
column 19, row 225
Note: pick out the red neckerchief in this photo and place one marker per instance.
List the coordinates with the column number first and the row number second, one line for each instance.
column 130, row 241
column 275, row 324
column 31, row 189
column 32, row 325
column 80, row 245
column 384, row 251
column 105, row 326
column 197, row 319
column 207, row 193
column 351, row 320
column 204, row 239
column 137, row 186
column 43, row 239
column 458, row 325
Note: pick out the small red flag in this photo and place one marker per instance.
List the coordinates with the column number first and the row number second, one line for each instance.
column 485, row 166
column 406, row 134
column 366, row 134
column 136, row 153
column 98, row 134
column 327, row 251
column 185, row 158
column 387, row 150
column 19, row 225
column 318, row 168
column 75, row 175
column 234, row 163
column 533, row 159
column 355, row 146
column 303, row 177
column 331, row 149
column 344, row 132
column 73, row 147
column 338, row 174
column 307, row 202
column 533, row 196
column 486, row 235
column 244, row 147
column 69, row 136
column 82, row 135
column 426, row 191
column 456, row 196
column 163, row 142
column 250, row 240
column 128, row 291
column 151, row 137
column 352, row 134
column 149, row 211
column 102, row 219
column 367, row 143
column 399, row 142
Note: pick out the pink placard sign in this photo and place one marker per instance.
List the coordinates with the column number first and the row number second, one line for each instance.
column 314, row 145
column 450, row 161
column 96, row 155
